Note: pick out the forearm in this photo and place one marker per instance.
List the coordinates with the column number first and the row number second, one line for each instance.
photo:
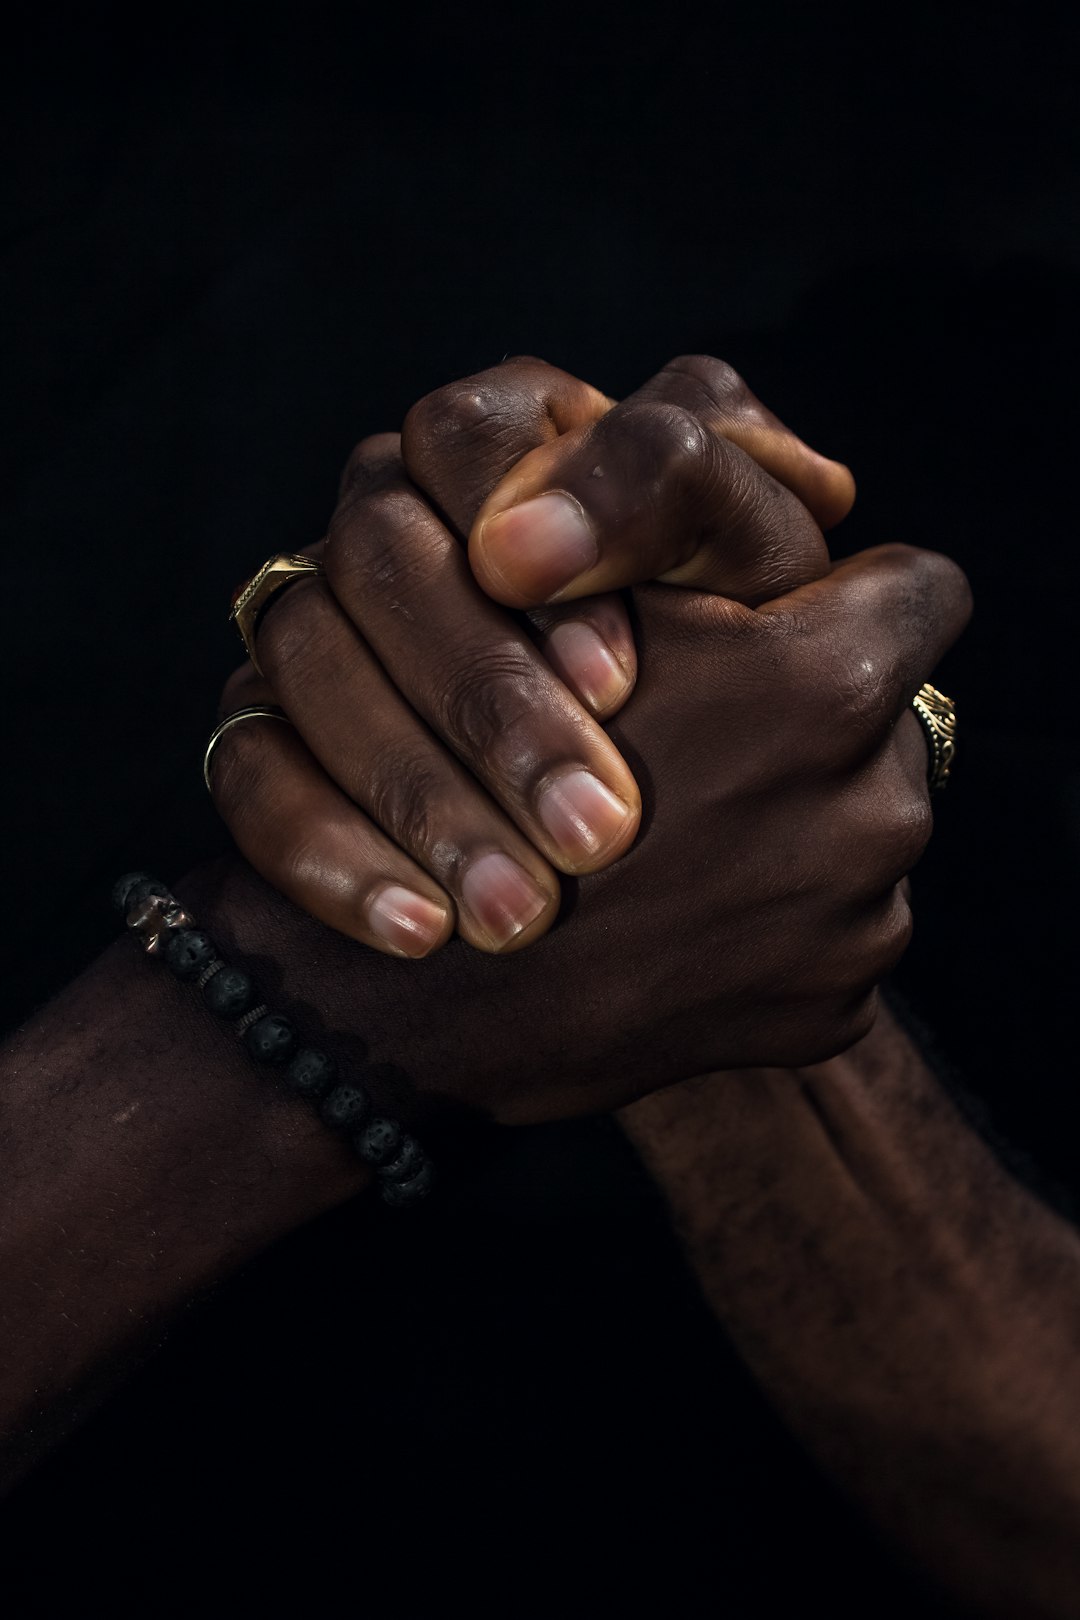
column 143, row 1156
column 913, row 1312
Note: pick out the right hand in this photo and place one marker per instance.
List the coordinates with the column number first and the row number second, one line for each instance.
column 384, row 830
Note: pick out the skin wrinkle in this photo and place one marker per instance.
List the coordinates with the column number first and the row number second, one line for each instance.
column 538, row 403
column 461, row 673
column 716, row 393
column 656, row 430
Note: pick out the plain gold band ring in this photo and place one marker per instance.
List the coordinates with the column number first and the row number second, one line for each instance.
column 263, row 711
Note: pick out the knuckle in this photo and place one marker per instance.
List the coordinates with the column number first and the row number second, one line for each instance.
column 473, row 429
column 719, row 381
column 826, row 1028
column 714, row 390
column 910, row 827
column 528, row 362
column 672, row 429
column 881, row 833
column 486, row 700
column 751, row 504
column 857, row 694
column 877, row 946
column 769, row 541
column 369, row 460
column 898, row 930
column 922, row 580
column 458, row 413
column 856, row 1018
column 379, row 545
column 846, row 1020
column 947, row 581
column 922, row 596
column 664, row 443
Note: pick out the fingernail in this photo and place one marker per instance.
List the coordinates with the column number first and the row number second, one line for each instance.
column 501, row 896
column 586, row 663
column 406, row 920
column 581, row 814
column 541, row 546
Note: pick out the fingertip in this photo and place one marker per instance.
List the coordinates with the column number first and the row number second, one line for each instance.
column 590, row 666
column 836, row 491
column 589, row 824
column 505, row 906
column 403, row 922
column 527, row 936
column 535, row 551
column 518, row 939
column 825, row 486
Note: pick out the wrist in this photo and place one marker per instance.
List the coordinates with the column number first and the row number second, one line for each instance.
column 126, row 1102
column 144, row 1157
column 140, row 1127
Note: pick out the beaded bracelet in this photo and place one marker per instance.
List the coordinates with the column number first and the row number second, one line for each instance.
column 164, row 929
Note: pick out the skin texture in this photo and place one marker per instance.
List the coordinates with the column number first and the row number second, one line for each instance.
column 781, row 736
column 785, row 756
column 142, row 1158
column 910, row 1310
column 913, row 1313
column 439, row 715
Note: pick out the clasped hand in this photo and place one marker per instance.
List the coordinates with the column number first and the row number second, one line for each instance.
column 758, row 778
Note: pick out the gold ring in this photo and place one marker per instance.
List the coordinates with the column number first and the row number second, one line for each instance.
column 265, row 711
column 937, row 716
column 251, row 599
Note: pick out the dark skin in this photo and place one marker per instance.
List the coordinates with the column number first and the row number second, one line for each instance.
column 925, row 1344
column 675, row 482
column 912, row 1312
column 811, row 796
column 142, row 1158
column 803, row 911
column 132, row 1125
column 118, row 1125
column 780, row 740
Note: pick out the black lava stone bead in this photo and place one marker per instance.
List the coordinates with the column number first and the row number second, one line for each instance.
column 188, row 951
column 347, row 1107
column 130, row 882
column 401, row 1193
column 229, row 993
column 311, row 1072
column 133, row 888
column 405, row 1163
column 380, row 1142
column 271, row 1039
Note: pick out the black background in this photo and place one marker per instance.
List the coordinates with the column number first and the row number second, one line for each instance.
column 234, row 242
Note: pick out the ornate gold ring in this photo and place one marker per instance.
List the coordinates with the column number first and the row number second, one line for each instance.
column 937, row 716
